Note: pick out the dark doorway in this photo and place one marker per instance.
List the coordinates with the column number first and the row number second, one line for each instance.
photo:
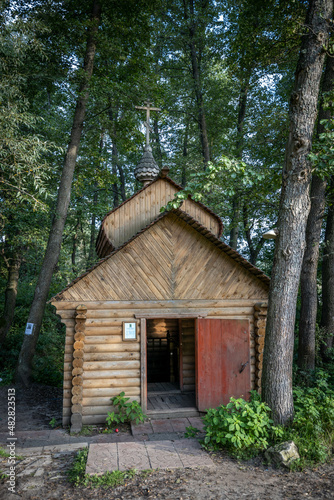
column 163, row 352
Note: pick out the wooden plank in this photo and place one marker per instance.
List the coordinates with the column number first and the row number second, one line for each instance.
column 69, row 306
column 117, row 383
column 111, row 356
column 110, row 374
column 222, row 362
column 143, row 365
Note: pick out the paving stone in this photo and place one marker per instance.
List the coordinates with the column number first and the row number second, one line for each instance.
column 145, row 428
column 163, row 455
column 162, row 425
column 28, row 452
column 179, row 424
column 133, row 456
column 191, row 454
column 65, row 447
column 196, row 422
column 166, row 436
column 102, row 458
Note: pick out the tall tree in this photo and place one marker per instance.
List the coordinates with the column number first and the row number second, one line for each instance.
column 293, row 213
column 55, row 238
column 308, row 277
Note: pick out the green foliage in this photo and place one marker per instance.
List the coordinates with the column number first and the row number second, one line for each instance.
column 3, row 453
column 77, row 474
column 313, row 426
column 243, row 427
column 53, row 423
column 191, row 432
column 125, row 412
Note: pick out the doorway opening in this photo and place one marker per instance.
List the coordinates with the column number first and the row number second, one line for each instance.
column 170, row 365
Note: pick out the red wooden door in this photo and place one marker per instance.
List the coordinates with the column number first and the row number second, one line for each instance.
column 222, row 361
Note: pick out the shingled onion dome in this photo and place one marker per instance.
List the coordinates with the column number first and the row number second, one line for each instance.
column 147, row 169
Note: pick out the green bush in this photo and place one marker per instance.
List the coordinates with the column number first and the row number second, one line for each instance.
column 126, row 412
column 243, row 427
column 313, row 426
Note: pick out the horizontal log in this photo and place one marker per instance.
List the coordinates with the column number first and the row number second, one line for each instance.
column 77, row 380
column 189, row 358
column 78, row 345
column 125, row 347
column 139, row 304
column 105, row 401
column 119, row 383
column 68, row 375
column 77, row 390
column 112, row 323
column 188, row 387
column 110, row 392
column 77, row 363
column 111, row 374
column 67, row 403
column 79, row 336
column 66, row 411
column 69, row 348
column 188, row 380
column 107, row 331
column 188, row 366
column 111, row 365
column 104, row 339
column 100, row 410
column 77, row 371
column 77, row 408
column 67, row 384
column 111, row 356
column 94, row 419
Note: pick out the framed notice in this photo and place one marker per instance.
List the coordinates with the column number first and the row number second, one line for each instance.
column 130, row 331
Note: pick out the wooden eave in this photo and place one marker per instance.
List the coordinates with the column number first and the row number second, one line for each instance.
column 196, row 225
column 104, row 245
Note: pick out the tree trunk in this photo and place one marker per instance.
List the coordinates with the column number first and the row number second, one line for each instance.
column 293, row 213
column 195, row 57
column 7, row 317
column 254, row 251
column 185, row 154
column 55, row 238
column 157, row 142
column 308, row 277
column 327, row 316
column 92, row 253
column 75, row 246
column 236, row 200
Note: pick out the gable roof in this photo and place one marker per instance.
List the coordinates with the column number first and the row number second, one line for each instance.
column 104, row 245
column 233, row 254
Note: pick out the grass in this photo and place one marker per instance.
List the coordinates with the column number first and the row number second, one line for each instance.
column 3, row 453
column 77, row 474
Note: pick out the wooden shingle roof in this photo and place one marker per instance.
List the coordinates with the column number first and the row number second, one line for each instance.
column 233, row 254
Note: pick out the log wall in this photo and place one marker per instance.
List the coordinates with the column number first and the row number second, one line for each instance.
column 112, row 365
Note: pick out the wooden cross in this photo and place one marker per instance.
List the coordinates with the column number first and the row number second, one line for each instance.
column 148, row 108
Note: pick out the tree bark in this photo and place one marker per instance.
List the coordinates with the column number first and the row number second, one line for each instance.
column 308, row 277
column 293, row 213
column 55, row 238
column 75, row 246
column 195, row 57
column 253, row 250
column 327, row 316
column 92, row 253
column 7, row 317
column 236, row 200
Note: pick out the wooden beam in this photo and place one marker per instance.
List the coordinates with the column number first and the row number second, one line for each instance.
column 143, row 366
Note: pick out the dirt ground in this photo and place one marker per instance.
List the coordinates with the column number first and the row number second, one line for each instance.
column 230, row 479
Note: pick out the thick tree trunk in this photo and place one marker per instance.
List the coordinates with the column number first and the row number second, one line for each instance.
column 293, row 213
column 7, row 317
column 327, row 316
column 308, row 277
column 55, row 238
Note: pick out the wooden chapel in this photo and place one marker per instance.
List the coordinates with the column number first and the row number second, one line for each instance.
column 170, row 315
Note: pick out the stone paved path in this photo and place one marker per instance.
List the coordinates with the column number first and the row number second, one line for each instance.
column 143, row 455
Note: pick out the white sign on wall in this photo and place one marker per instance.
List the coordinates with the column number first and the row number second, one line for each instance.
column 129, row 331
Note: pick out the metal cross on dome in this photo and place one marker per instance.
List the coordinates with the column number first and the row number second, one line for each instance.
column 148, row 108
